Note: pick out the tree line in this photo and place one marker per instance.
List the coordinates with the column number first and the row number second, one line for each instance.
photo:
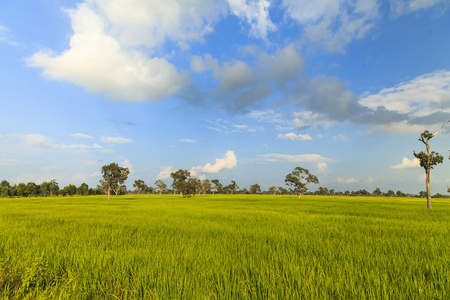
column 298, row 180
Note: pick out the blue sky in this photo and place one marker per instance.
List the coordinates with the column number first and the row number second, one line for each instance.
column 234, row 90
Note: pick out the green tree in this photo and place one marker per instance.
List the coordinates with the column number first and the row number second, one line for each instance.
column 206, row 186
column 180, row 181
column 273, row 190
column 113, row 178
column 140, row 186
column 217, row 186
column 299, row 180
column 428, row 159
column 5, row 189
column 255, row 188
column 161, row 186
column 232, row 187
column 377, row 192
column 83, row 189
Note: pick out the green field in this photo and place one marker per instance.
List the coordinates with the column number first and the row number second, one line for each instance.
column 224, row 247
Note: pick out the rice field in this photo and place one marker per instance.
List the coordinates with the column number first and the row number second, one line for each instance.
column 224, row 247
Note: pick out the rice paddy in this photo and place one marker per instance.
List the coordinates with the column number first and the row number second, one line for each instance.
column 224, row 247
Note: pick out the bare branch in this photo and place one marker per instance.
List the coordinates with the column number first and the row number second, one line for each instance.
column 441, row 128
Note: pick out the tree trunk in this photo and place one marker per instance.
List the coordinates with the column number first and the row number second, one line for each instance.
column 109, row 194
column 427, row 179
column 428, row 189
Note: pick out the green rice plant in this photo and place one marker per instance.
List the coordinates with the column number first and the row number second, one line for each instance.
column 224, row 247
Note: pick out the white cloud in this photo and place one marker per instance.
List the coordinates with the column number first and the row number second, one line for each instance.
column 82, row 136
column 348, row 180
column 96, row 146
column 241, row 127
column 420, row 96
column 101, row 62
column 190, row 141
column 369, row 180
column 333, row 23
column 127, row 164
column 228, row 162
column 115, row 140
column 400, row 7
column 322, row 167
column 340, row 138
column 256, row 13
column 36, row 140
column 6, row 37
column 407, row 164
column 164, row 172
column 300, row 158
column 293, row 136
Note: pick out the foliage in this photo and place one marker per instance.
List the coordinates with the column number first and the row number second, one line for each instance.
column 299, row 180
column 180, row 183
column 113, row 178
column 255, row 188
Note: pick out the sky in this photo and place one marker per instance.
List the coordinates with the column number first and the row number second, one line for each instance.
column 242, row 90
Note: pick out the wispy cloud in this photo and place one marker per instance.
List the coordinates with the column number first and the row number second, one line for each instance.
column 299, row 158
column 190, row 141
column 115, row 140
column 295, row 137
column 82, row 136
column 346, row 180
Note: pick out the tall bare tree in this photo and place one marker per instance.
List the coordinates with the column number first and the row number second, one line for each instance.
column 429, row 159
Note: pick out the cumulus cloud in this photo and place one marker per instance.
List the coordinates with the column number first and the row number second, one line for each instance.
column 104, row 54
column 115, row 140
column 127, row 164
column 229, row 161
column 322, row 167
column 293, row 136
column 164, row 172
column 256, row 13
column 407, row 164
column 82, row 136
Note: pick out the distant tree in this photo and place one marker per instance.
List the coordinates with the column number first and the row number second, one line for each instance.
column 140, row 186
column 206, row 186
column 83, row 190
column 321, row 191
column 332, row 192
column 377, row 192
column 193, row 186
column 113, row 178
column 282, row 190
column 4, row 189
column 400, row 194
column 180, row 181
column 390, row 193
column 232, row 187
column 69, row 190
column 429, row 159
column 161, row 186
column 273, row 190
column 299, row 180
column 217, row 186
column 255, row 188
